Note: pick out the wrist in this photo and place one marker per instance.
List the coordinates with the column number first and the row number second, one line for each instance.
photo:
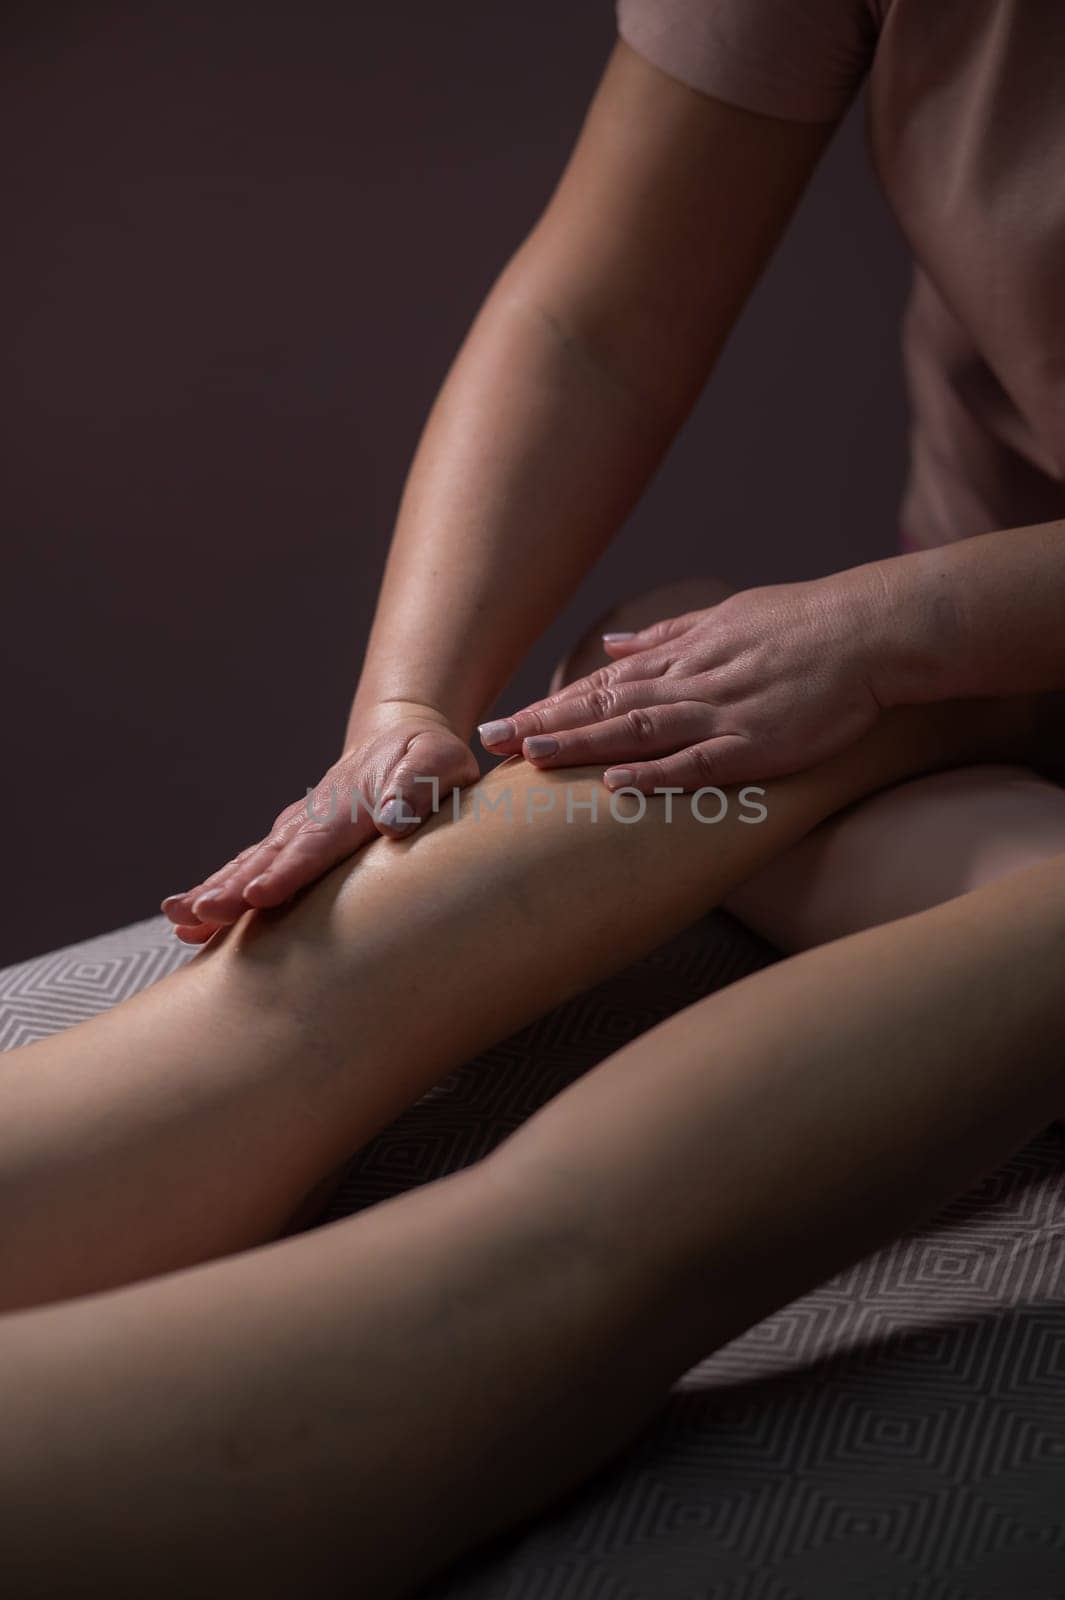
column 912, row 646
column 369, row 714
column 437, row 691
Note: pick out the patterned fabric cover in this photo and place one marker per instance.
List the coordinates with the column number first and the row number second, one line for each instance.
column 899, row 1433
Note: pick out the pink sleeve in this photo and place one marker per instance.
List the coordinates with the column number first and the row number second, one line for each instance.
column 803, row 59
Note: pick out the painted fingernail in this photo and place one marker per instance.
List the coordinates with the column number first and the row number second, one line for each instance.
column 496, row 732
column 618, row 777
column 395, row 814
column 540, row 744
column 610, row 637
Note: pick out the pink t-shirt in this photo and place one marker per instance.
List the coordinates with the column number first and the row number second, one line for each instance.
column 966, row 128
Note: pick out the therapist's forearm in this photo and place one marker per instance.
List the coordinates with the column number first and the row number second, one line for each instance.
column 531, row 457
column 982, row 616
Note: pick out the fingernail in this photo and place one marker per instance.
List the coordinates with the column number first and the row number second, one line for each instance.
column 170, row 898
column 610, row 637
column 256, row 883
column 211, row 898
column 618, row 777
column 496, row 732
column 394, row 814
column 540, row 744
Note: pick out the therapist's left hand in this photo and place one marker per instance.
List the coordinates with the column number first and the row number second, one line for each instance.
column 772, row 680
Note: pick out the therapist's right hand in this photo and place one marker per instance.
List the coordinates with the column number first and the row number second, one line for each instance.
column 389, row 746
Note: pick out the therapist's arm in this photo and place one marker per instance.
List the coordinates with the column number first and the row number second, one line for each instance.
column 582, row 363
column 576, row 374
column 982, row 616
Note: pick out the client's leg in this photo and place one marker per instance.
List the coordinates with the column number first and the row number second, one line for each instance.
column 358, row 1406
column 902, row 850
column 192, row 1118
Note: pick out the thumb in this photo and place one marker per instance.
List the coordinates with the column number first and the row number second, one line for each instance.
column 420, row 783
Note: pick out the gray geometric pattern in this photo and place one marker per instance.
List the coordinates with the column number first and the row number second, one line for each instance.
column 897, row 1434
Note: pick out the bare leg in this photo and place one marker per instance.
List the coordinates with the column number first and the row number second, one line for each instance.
column 231, row 1087
column 762, row 1139
column 903, row 850
column 475, row 1347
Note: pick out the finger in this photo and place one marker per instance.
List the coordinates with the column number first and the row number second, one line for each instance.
column 221, row 898
column 669, row 628
column 711, row 763
column 224, row 902
column 504, row 735
column 333, row 810
column 198, row 935
column 638, row 733
column 308, row 853
column 228, row 900
column 312, row 848
column 217, row 899
column 178, row 907
column 599, row 704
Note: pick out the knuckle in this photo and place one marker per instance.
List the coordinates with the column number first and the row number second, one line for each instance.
column 423, row 739
column 310, row 832
column 641, row 724
column 601, row 703
column 703, row 763
column 645, row 776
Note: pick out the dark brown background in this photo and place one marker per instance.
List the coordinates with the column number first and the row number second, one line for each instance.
column 243, row 241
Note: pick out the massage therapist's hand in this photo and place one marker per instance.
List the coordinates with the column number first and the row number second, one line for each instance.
column 770, row 681
column 386, row 749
